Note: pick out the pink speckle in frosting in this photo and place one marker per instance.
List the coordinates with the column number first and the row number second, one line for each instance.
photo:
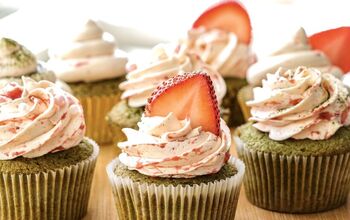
column 294, row 101
column 325, row 116
column 80, row 64
column 344, row 115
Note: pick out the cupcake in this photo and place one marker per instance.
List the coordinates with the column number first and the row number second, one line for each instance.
column 297, row 149
column 221, row 36
column 46, row 163
column 18, row 61
column 166, row 62
column 176, row 164
column 298, row 52
column 93, row 69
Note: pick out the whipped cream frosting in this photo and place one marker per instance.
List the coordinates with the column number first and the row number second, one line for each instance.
column 142, row 81
column 299, row 104
column 38, row 118
column 88, row 57
column 221, row 50
column 15, row 59
column 296, row 53
column 169, row 147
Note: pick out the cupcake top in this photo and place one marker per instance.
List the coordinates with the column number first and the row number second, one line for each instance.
column 302, row 103
column 88, row 56
column 15, row 59
column 165, row 63
column 38, row 118
column 296, row 53
column 181, row 134
column 221, row 50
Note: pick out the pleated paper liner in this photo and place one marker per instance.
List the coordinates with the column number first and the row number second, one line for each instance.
column 216, row 200
column 55, row 194
column 95, row 110
column 245, row 94
column 295, row 184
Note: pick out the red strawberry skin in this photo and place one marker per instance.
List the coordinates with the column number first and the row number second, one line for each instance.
column 335, row 43
column 227, row 15
column 190, row 95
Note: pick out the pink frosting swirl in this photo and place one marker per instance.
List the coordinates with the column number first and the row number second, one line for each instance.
column 168, row 147
column 299, row 104
column 37, row 119
column 221, row 50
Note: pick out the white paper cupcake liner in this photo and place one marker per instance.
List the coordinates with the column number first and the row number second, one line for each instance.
column 295, row 184
column 55, row 194
column 95, row 111
column 216, row 200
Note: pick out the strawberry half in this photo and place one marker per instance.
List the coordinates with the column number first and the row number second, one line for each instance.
column 190, row 95
column 335, row 43
column 227, row 15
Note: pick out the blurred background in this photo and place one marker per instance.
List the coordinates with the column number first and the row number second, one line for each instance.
column 139, row 25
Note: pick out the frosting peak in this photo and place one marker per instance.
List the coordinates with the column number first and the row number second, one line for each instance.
column 221, row 50
column 295, row 53
column 90, row 56
column 15, row 59
column 299, row 104
column 165, row 63
column 37, row 119
column 168, row 147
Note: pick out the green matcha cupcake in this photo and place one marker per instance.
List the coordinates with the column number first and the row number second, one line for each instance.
column 177, row 168
column 166, row 62
column 46, row 164
column 93, row 68
column 18, row 61
column 297, row 153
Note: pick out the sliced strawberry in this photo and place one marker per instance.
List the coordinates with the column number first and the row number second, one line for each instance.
column 335, row 43
column 227, row 15
column 190, row 95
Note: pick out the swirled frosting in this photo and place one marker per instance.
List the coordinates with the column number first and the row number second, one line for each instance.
column 141, row 82
column 296, row 53
column 168, row 147
column 89, row 57
column 299, row 104
column 221, row 50
column 15, row 59
column 38, row 118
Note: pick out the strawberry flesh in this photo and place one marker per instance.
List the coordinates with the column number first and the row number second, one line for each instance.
column 335, row 43
column 190, row 95
column 229, row 16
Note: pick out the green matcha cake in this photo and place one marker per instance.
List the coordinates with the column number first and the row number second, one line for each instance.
column 230, row 101
column 173, row 167
column 296, row 152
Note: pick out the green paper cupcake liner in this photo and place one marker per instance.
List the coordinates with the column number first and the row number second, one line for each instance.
column 95, row 110
column 55, row 194
column 295, row 184
column 216, row 200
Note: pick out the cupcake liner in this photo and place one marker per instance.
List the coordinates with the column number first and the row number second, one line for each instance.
column 95, row 110
column 245, row 94
column 216, row 200
column 295, row 184
column 55, row 194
